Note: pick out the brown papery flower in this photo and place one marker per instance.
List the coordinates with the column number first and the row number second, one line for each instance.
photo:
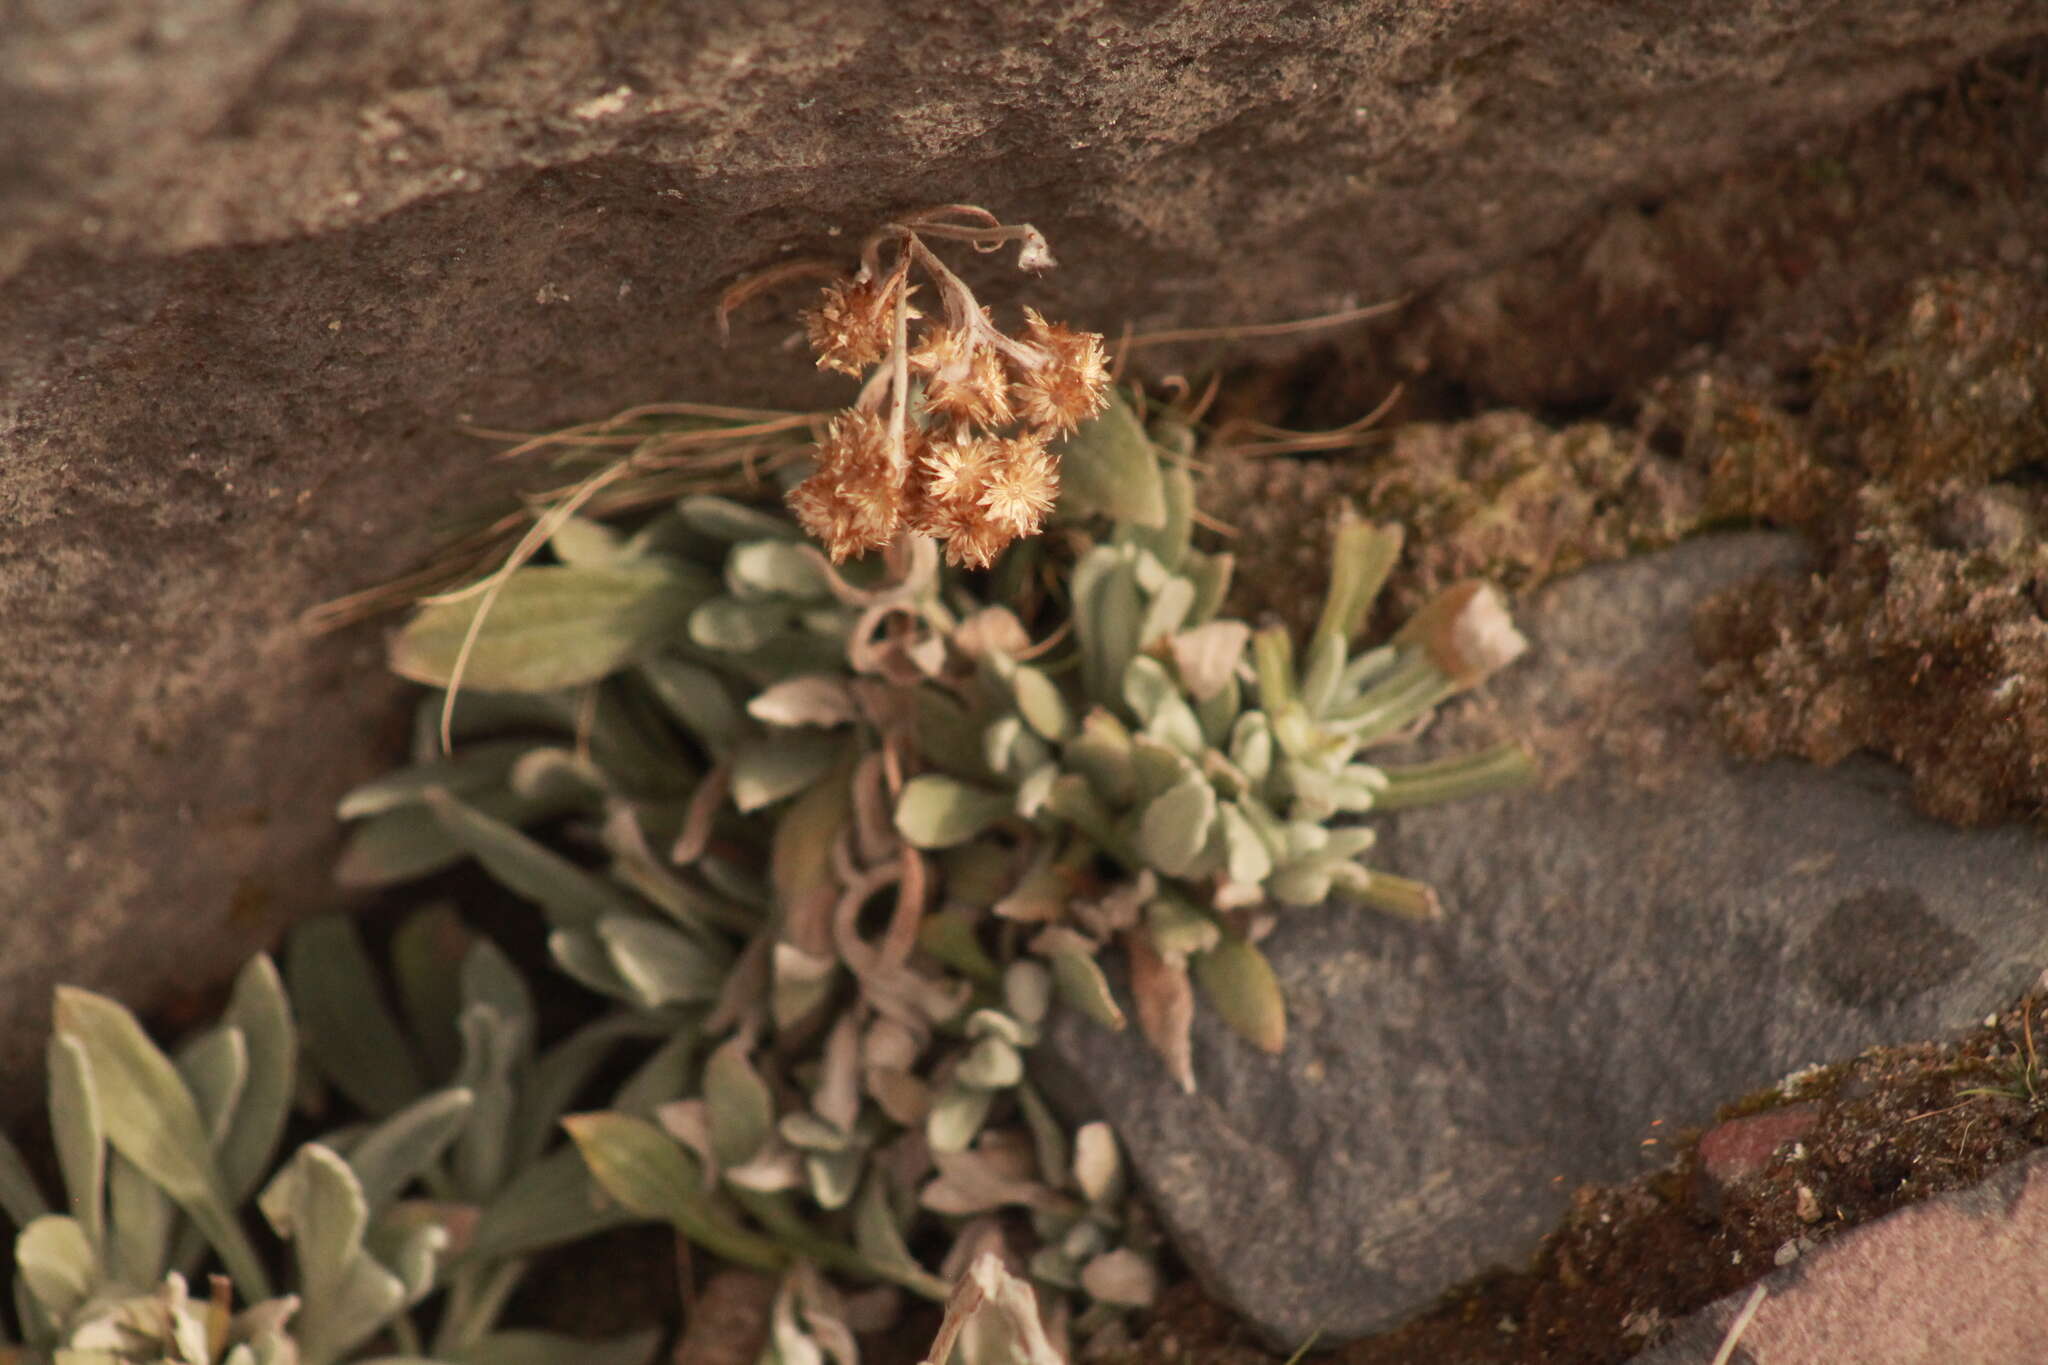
column 1023, row 483
column 1071, row 386
column 852, row 326
column 964, row 379
column 854, row 502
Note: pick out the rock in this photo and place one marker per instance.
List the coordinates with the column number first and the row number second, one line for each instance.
column 1740, row 1148
column 1658, row 930
column 1957, row 1278
column 260, row 262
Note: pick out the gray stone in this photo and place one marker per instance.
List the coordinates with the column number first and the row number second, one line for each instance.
column 1957, row 1278
column 260, row 260
column 1658, row 930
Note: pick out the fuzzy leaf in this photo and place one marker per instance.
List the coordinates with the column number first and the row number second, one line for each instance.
column 348, row 1031
column 957, row 1115
column 20, row 1197
column 549, row 1203
column 660, row 965
column 1040, row 703
column 767, row 769
column 741, row 1106
column 699, row 699
column 1083, row 986
column 346, row 1296
column 819, row 699
column 649, row 1173
column 1240, row 984
column 79, row 1135
column 478, row 767
column 1109, row 469
column 738, row 625
column 258, row 1010
column 152, row 1120
column 571, row 897
column 396, row 1151
column 765, row 568
column 553, row 626
column 56, row 1261
column 724, row 519
column 1175, row 827
column 938, row 812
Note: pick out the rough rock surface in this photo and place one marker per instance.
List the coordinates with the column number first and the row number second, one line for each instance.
column 259, row 259
column 1956, row 1278
column 1657, row 930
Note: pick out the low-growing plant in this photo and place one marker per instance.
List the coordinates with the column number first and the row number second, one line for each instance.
column 830, row 840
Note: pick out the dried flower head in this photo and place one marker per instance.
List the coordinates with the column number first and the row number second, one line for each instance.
column 1071, row 386
column 1022, row 485
column 964, row 379
column 853, row 324
column 854, row 501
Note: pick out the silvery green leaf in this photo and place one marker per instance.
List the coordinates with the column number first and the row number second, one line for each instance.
column 1167, row 611
column 1167, row 542
column 213, row 1065
column 552, row 626
column 1041, row 703
column 992, row 1023
column 347, row 1030
column 20, row 1197
column 1048, row 1133
column 1241, row 986
column 1245, row 854
column 1098, row 1166
column 936, row 811
column 1303, row 839
column 724, row 519
column 1034, row 791
column 948, row 734
column 1009, row 749
column 1083, row 986
column 407, row 842
column 766, row 769
column 1051, row 1266
column 549, row 1203
column 990, row 1064
column 257, row 1009
column 1102, row 754
column 571, row 897
column 395, row 1152
column 699, row 699
column 488, row 977
column 1251, row 746
column 650, row 1174
column 1321, row 670
column 409, row 1250
column 582, row 542
column 1175, row 826
column 739, row 625
column 529, row 1347
column 949, row 936
column 1361, row 559
column 742, row 1107
column 957, row 1115
column 1301, row 883
column 1211, row 576
column 832, row 1177
column 152, row 1120
column 1157, row 768
column 1179, row 930
column 1109, row 468
column 775, row 568
column 1027, row 992
column 561, row 778
column 55, row 1259
column 476, row 767
column 1147, row 687
column 80, row 1139
column 345, row 1296
column 139, row 1221
column 660, row 965
column 801, row 1128
column 876, row 1232
column 1106, row 627
column 583, row 958
column 1219, row 713
column 822, row 699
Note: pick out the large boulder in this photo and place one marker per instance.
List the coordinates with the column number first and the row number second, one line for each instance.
column 260, row 260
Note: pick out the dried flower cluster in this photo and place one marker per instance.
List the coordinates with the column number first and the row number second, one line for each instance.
column 950, row 437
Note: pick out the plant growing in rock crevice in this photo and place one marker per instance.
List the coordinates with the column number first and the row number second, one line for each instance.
column 849, row 834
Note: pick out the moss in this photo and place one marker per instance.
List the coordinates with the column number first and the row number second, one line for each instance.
column 1501, row 497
